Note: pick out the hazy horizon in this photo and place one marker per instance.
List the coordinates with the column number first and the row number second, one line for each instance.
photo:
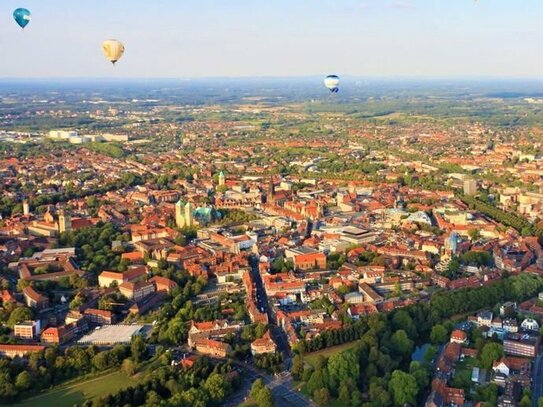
column 212, row 39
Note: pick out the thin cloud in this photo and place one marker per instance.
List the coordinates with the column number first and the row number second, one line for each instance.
column 403, row 5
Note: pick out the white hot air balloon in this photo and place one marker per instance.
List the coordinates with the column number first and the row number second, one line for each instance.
column 332, row 83
column 113, row 50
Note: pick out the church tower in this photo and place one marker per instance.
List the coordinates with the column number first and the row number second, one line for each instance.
column 271, row 192
column 26, row 208
column 64, row 222
column 189, row 220
column 222, row 179
column 179, row 216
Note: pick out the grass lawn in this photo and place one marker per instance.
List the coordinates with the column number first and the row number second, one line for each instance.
column 312, row 357
column 78, row 392
column 467, row 363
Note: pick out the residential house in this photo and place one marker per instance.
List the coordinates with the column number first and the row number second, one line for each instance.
column 263, row 345
column 459, row 336
column 58, row 335
column 163, row 284
column 484, row 318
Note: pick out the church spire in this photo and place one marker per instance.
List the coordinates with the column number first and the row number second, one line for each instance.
column 271, row 191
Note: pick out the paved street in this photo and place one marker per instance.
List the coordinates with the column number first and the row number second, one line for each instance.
column 281, row 387
column 537, row 385
column 278, row 333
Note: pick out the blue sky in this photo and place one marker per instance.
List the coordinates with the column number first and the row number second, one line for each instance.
column 199, row 38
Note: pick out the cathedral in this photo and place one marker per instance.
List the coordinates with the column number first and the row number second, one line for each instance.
column 183, row 214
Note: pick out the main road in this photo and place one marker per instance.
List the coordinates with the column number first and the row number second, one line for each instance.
column 278, row 333
column 280, row 386
column 537, row 380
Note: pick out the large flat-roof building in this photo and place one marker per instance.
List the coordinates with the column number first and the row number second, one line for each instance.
column 27, row 330
column 111, row 335
column 521, row 344
column 354, row 235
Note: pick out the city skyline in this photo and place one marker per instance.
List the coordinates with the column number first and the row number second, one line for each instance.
column 256, row 39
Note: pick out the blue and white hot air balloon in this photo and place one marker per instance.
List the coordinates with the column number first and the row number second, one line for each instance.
column 332, row 83
column 22, row 17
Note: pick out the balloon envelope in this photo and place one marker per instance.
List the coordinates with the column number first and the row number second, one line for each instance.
column 22, row 17
column 113, row 50
column 332, row 83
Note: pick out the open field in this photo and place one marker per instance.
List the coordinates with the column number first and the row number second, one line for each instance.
column 311, row 357
column 78, row 392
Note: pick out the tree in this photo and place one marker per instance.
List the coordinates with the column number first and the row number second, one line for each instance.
column 404, row 388
column 401, row 344
column 430, row 354
column 101, row 361
column 474, row 234
column 342, row 367
column 260, row 330
column 137, row 348
column 488, row 394
column 322, row 396
column 344, row 395
column 540, row 402
column 378, row 394
column 19, row 314
column 23, row 381
column 526, row 401
column 216, row 386
column 491, row 352
column 420, row 373
column 264, row 398
column 152, row 398
column 402, row 320
column 258, row 385
column 318, row 380
column 439, row 334
column 128, row 367
column 320, row 362
column 297, row 368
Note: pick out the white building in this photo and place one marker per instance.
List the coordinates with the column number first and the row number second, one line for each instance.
column 529, row 325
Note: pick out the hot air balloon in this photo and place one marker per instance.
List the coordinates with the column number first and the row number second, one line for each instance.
column 332, row 83
column 113, row 50
column 22, row 17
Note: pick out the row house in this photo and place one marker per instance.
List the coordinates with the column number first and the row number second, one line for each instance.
column 283, row 283
column 136, row 291
column 13, row 351
column 256, row 315
column 370, row 295
column 211, row 347
column 34, row 299
column 140, row 233
column 357, row 311
column 211, row 330
column 99, row 317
